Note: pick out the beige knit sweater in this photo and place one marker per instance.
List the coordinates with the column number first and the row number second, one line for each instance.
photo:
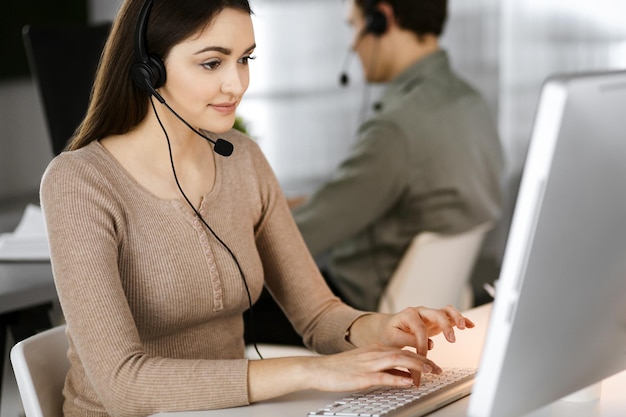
column 154, row 302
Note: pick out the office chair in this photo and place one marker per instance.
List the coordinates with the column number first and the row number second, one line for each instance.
column 63, row 62
column 435, row 271
column 40, row 365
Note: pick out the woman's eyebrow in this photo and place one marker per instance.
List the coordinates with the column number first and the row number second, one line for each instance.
column 221, row 49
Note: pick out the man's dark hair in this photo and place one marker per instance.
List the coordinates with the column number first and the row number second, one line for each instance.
column 419, row 16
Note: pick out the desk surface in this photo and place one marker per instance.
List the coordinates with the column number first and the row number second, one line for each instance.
column 24, row 284
column 464, row 353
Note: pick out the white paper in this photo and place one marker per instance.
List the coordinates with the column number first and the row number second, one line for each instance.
column 29, row 241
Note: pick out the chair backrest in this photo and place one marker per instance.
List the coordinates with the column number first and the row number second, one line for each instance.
column 40, row 365
column 435, row 271
column 63, row 62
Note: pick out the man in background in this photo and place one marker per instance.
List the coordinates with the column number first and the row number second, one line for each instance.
column 429, row 159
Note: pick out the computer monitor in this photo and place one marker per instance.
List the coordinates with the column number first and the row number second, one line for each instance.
column 63, row 61
column 558, row 322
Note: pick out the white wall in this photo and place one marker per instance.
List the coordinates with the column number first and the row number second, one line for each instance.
column 540, row 38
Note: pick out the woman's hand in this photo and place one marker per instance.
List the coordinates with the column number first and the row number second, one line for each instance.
column 353, row 370
column 379, row 357
column 370, row 366
column 412, row 327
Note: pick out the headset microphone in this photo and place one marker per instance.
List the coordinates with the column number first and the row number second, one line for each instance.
column 220, row 146
column 344, row 79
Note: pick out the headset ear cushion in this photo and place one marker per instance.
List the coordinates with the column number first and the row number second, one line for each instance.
column 148, row 75
column 142, row 76
column 158, row 71
column 376, row 23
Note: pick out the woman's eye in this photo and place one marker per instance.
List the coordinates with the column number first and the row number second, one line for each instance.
column 211, row 65
column 246, row 59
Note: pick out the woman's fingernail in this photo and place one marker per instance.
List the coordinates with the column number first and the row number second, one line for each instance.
column 427, row 368
column 451, row 336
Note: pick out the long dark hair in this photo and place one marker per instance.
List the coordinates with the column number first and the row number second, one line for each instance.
column 116, row 104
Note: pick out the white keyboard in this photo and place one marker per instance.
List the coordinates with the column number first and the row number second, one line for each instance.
column 435, row 391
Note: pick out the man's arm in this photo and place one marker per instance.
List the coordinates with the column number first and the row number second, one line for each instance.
column 363, row 187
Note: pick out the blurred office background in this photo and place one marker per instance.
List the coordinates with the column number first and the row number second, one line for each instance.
column 305, row 122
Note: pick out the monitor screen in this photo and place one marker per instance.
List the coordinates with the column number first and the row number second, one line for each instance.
column 558, row 322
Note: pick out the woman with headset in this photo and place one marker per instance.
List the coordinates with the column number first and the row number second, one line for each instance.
column 165, row 224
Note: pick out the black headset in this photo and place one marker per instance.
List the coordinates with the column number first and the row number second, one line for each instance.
column 148, row 71
column 375, row 20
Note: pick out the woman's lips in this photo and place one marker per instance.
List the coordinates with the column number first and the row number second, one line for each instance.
column 224, row 108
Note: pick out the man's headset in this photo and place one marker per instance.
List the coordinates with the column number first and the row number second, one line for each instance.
column 375, row 23
column 375, row 20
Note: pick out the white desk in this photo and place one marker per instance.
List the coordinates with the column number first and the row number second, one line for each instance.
column 465, row 353
column 25, row 284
